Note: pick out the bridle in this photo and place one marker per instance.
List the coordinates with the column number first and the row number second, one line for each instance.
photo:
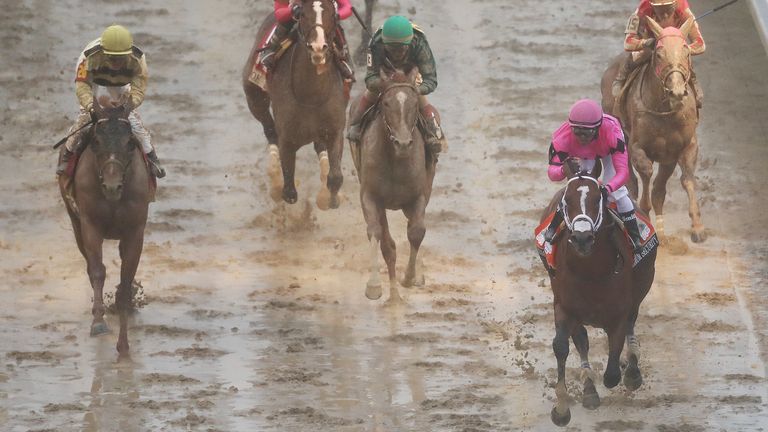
column 664, row 73
column 384, row 117
column 330, row 37
column 582, row 222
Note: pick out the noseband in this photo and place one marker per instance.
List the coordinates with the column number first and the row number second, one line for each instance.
column 582, row 222
column 386, row 123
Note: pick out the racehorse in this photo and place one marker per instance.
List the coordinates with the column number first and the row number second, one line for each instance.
column 308, row 100
column 395, row 173
column 110, row 200
column 660, row 116
column 594, row 284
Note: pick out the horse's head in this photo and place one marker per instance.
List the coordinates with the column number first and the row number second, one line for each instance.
column 399, row 105
column 113, row 147
column 317, row 28
column 583, row 205
column 672, row 60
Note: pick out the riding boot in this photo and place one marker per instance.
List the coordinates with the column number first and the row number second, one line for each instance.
column 154, row 165
column 621, row 76
column 278, row 36
column 698, row 93
column 630, row 223
column 355, row 128
column 434, row 133
column 65, row 157
column 549, row 233
column 342, row 56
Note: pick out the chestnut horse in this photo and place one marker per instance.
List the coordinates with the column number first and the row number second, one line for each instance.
column 308, row 100
column 395, row 173
column 660, row 117
column 594, row 284
column 110, row 201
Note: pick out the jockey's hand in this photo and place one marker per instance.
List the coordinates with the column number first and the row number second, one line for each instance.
column 398, row 76
column 649, row 43
column 296, row 11
column 605, row 190
column 128, row 105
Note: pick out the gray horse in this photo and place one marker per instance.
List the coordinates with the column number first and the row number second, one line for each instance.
column 308, row 100
column 396, row 173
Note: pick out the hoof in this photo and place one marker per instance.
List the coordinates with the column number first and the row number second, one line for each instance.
column 373, row 292
column 122, row 350
column 276, row 193
column 560, row 419
column 324, row 200
column 633, row 379
column 410, row 282
column 698, row 236
column 336, row 200
column 290, row 195
column 611, row 380
column 99, row 328
column 590, row 400
column 394, row 301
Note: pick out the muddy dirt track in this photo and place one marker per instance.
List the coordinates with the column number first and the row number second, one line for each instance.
column 255, row 317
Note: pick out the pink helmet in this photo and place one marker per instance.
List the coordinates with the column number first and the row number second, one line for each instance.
column 585, row 113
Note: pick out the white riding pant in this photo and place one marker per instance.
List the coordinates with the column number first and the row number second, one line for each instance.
column 621, row 195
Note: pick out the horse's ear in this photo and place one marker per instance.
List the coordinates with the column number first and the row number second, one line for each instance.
column 570, row 168
column 654, row 26
column 686, row 27
column 597, row 169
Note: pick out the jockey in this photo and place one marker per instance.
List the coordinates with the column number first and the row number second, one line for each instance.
column 111, row 64
column 587, row 135
column 289, row 11
column 406, row 47
column 640, row 41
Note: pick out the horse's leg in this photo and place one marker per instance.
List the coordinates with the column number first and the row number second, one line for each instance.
column 258, row 103
column 335, row 178
column 590, row 399
column 616, row 334
column 130, row 253
column 323, row 199
column 687, row 163
column 644, row 167
column 389, row 251
column 416, row 232
column 561, row 412
column 633, row 379
column 371, row 214
column 92, row 244
column 659, row 195
column 288, row 164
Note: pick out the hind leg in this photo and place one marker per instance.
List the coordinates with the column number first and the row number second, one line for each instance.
column 130, row 253
column 389, row 251
column 687, row 163
column 644, row 167
column 616, row 335
column 335, row 177
column 561, row 412
column 659, row 195
column 416, row 232
column 323, row 199
column 258, row 103
column 633, row 379
column 590, row 399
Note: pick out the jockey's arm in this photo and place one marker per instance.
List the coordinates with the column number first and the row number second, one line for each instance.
column 427, row 68
column 620, row 164
column 344, row 9
column 375, row 55
column 697, row 45
column 556, row 160
column 633, row 41
column 139, row 83
column 84, row 94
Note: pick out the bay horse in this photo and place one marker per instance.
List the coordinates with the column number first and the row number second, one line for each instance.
column 307, row 96
column 110, row 200
column 395, row 173
column 594, row 284
column 660, row 117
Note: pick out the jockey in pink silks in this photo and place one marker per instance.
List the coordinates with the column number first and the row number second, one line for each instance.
column 587, row 135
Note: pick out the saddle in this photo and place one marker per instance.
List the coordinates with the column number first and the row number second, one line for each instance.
column 650, row 240
column 258, row 74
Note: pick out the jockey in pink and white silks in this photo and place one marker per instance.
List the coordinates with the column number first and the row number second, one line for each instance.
column 587, row 135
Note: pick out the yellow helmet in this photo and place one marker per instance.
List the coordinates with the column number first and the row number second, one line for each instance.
column 116, row 40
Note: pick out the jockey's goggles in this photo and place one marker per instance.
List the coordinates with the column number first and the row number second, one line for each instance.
column 584, row 132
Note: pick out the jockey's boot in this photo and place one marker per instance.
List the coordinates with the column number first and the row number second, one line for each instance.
column 434, row 133
column 698, row 93
column 65, row 157
column 154, row 165
column 630, row 223
column 355, row 128
column 342, row 56
column 270, row 50
column 549, row 233
column 621, row 76
column 346, row 70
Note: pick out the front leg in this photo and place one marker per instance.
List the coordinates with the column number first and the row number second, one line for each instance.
column 288, row 164
column 335, row 177
column 687, row 164
column 561, row 412
column 644, row 167
column 416, row 231
column 371, row 214
column 92, row 246
column 130, row 254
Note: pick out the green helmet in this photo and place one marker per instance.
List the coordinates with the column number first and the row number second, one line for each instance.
column 116, row 40
column 397, row 30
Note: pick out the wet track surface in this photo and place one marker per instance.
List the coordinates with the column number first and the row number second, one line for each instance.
column 255, row 317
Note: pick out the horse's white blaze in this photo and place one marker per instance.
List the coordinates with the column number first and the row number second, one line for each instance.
column 402, row 97
column 319, row 42
column 584, row 191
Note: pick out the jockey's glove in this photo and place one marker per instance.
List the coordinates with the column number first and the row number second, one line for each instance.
column 605, row 190
column 296, row 11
